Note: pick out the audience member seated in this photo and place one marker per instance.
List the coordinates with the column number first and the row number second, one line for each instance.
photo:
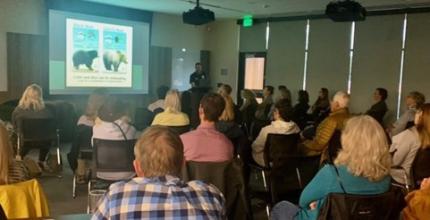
column 11, row 170
column 321, row 107
column 225, row 90
column 362, row 167
column 281, row 124
column 157, row 192
column 172, row 115
column 159, row 104
column 226, row 123
column 378, row 110
column 413, row 101
column 335, row 121
column 95, row 101
column 418, row 203
column 206, row 144
column 406, row 144
column 31, row 105
column 113, row 124
column 248, row 108
column 300, row 110
column 284, row 93
column 263, row 109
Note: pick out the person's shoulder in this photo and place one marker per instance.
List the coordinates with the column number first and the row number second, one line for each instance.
column 200, row 186
column 409, row 135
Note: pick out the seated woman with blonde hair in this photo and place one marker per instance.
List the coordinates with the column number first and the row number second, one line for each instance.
column 31, row 105
column 362, row 167
column 11, row 170
column 172, row 115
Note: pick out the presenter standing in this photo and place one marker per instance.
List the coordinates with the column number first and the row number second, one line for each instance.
column 199, row 78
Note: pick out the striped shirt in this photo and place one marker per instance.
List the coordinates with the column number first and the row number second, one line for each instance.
column 164, row 197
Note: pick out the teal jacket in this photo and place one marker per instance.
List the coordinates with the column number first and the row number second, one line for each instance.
column 325, row 182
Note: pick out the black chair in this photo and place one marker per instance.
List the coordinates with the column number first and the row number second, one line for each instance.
column 110, row 156
column 227, row 177
column 285, row 168
column 180, row 129
column 339, row 206
column 81, row 149
column 38, row 133
column 334, row 145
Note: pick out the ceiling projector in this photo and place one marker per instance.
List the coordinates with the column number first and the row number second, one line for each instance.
column 198, row 15
column 345, row 11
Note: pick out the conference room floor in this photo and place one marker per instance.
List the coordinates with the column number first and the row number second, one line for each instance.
column 59, row 191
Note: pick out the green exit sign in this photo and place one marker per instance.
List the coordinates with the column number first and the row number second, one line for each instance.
column 247, row 21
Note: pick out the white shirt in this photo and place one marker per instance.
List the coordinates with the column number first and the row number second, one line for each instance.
column 405, row 146
column 277, row 127
column 85, row 120
column 157, row 104
column 109, row 131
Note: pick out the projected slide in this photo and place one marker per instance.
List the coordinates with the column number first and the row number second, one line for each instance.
column 98, row 54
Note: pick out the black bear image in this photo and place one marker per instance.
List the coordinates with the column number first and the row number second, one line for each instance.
column 82, row 57
column 113, row 59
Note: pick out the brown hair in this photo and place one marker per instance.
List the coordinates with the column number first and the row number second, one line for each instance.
column 213, row 105
column 5, row 155
column 159, row 151
column 95, row 101
column 418, row 97
column 423, row 126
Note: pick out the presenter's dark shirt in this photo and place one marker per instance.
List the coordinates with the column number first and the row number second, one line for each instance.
column 198, row 79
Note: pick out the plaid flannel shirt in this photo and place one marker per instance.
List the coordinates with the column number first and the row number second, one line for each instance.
column 164, row 197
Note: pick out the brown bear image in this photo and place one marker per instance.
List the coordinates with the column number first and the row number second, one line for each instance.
column 112, row 60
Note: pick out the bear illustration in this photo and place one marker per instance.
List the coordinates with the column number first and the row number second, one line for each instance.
column 82, row 57
column 112, row 60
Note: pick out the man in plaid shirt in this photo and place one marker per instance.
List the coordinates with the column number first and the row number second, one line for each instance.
column 157, row 192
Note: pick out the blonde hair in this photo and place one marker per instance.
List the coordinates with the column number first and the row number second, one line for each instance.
column 95, row 101
column 159, row 151
column 364, row 149
column 423, row 126
column 5, row 155
column 172, row 101
column 224, row 89
column 32, row 98
column 228, row 113
column 342, row 98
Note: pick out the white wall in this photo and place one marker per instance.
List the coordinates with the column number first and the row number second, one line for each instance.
column 169, row 31
column 19, row 16
column 222, row 40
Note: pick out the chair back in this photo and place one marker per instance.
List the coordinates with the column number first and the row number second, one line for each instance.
column 340, row 206
column 279, row 148
column 113, row 155
column 24, row 200
column 37, row 129
column 227, row 177
column 334, row 145
column 180, row 129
